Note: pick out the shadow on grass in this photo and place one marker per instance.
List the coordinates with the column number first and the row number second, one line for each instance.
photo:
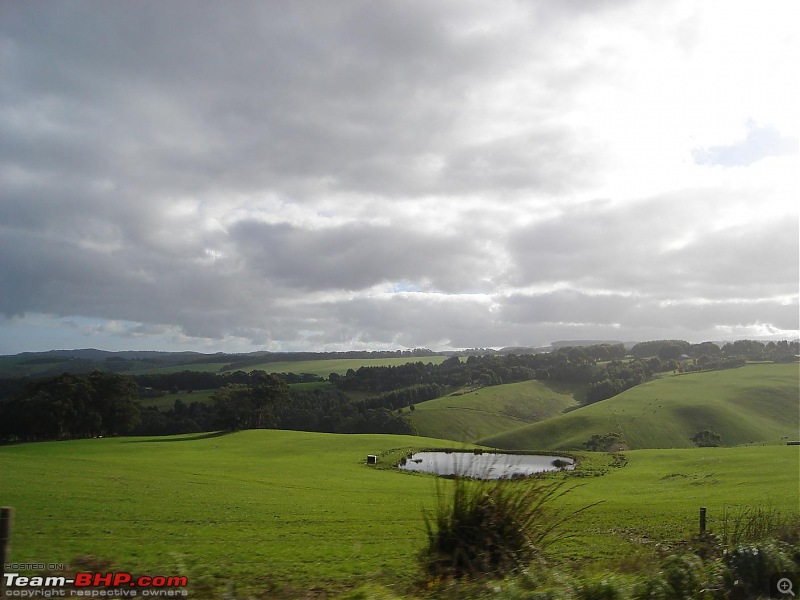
column 570, row 388
column 182, row 438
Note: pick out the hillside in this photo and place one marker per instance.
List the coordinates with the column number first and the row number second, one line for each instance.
column 285, row 511
column 476, row 414
column 755, row 403
column 324, row 367
column 55, row 362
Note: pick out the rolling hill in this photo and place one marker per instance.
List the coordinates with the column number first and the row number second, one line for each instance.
column 324, row 367
column 755, row 403
column 487, row 411
column 280, row 512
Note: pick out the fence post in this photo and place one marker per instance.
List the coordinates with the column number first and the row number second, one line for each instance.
column 702, row 519
column 5, row 538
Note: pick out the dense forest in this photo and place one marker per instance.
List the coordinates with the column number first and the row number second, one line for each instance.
column 364, row 400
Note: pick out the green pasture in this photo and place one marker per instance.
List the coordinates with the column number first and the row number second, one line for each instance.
column 325, row 367
column 754, row 403
column 322, row 367
column 653, row 502
column 286, row 510
column 19, row 366
column 210, row 367
column 294, row 507
column 474, row 414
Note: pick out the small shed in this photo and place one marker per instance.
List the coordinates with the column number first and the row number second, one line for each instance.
column 372, row 459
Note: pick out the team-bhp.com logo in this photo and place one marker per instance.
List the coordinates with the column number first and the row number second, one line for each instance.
column 114, row 584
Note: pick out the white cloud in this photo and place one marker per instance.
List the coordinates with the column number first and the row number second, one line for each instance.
column 316, row 175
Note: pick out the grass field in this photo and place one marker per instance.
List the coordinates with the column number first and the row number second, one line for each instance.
column 21, row 366
column 291, row 510
column 754, row 403
column 211, row 367
column 477, row 414
column 323, row 368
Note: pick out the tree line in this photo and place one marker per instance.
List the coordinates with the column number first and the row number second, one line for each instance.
column 101, row 403
column 71, row 406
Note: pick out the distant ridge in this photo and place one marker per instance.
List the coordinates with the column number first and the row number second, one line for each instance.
column 567, row 343
column 87, row 360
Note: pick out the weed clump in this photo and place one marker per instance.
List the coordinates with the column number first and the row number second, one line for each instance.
column 758, row 524
column 751, row 566
column 491, row 528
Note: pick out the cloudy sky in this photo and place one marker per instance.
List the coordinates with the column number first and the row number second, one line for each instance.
column 251, row 175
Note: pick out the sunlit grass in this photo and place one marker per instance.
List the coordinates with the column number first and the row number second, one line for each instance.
column 304, row 509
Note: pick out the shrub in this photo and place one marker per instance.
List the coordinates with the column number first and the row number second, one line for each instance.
column 707, row 439
column 654, row 588
column 751, row 567
column 684, row 576
column 599, row 589
column 604, row 443
column 491, row 527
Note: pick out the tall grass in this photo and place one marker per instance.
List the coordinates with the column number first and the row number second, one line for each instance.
column 759, row 523
column 492, row 528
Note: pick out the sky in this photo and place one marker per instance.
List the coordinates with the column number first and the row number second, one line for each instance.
column 298, row 175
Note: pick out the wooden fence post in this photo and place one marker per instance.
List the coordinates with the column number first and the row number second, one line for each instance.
column 702, row 520
column 5, row 539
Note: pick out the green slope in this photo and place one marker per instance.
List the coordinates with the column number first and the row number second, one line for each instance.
column 285, row 511
column 657, row 497
column 325, row 367
column 755, row 403
column 254, row 506
column 487, row 411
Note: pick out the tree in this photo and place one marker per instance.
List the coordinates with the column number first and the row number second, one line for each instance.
column 604, row 443
column 73, row 406
column 114, row 398
column 268, row 391
column 670, row 352
column 233, row 404
column 707, row 439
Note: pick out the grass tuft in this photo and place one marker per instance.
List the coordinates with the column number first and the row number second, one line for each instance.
column 492, row 528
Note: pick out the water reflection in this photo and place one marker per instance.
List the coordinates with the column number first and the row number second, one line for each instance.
column 486, row 465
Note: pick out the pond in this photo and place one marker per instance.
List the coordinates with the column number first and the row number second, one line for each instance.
column 486, row 465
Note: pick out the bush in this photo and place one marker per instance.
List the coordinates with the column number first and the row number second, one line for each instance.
column 602, row 589
column 684, row 576
column 654, row 588
column 491, row 527
column 604, row 443
column 751, row 567
column 707, row 439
